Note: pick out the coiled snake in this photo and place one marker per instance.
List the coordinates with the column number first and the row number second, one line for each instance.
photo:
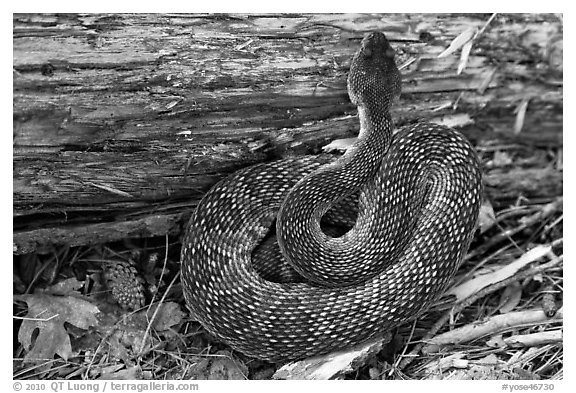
column 417, row 200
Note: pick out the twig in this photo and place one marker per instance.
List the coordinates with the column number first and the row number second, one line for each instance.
column 161, row 274
column 404, row 350
column 486, row 25
column 546, row 211
column 491, row 326
column 470, row 300
column 534, row 339
column 149, row 327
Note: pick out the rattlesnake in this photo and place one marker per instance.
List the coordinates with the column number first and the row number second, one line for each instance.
column 417, row 199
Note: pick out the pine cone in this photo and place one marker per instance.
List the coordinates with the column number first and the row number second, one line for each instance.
column 125, row 284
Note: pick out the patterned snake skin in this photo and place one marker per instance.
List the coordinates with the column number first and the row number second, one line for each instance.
column 417, row 200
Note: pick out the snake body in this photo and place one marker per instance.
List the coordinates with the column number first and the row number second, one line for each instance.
column 417, row 199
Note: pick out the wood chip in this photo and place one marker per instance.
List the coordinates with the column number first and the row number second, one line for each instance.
column 332, row 365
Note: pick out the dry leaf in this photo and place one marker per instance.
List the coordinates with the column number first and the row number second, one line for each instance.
column 459, row 41
column 496, row 341
column 488, row 77
column 501, row 159
column 476, row 284
column 489, row 360
column 487, row 217
column 510, row 297
column 464, row 57
column 47, row 315
column 169, row 314
column 69, row 286
column 227, row 367
column 521, row 115
column 112, row 373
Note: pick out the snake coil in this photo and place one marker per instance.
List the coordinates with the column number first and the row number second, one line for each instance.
column 417, row 199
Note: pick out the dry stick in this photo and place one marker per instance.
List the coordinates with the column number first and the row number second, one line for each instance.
column 540, row 230
column 553, row 224
column 161, row 274
column 53, row 369
column 486, row 24
column 496, row 324
column 471, row 299
column 404, row 350
column 93, row 358
column 550, row 359
column 522, row 210
column 39, row 272
column 536, row 218
column 534, row 339
column 147, row 332
column 21, row 373
column 36, row 319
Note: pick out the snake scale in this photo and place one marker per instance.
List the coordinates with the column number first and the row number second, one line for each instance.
column 417, row 196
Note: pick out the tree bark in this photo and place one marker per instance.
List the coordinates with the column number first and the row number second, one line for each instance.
column 123, row 122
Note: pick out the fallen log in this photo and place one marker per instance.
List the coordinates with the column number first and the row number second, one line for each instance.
column 123, row 122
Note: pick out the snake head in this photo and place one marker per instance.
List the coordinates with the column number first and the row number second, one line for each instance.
column 374, row 79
